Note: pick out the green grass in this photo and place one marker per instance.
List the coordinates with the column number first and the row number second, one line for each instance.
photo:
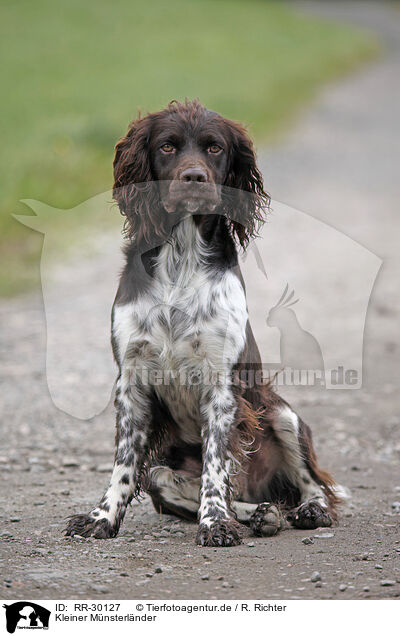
column 74, row 74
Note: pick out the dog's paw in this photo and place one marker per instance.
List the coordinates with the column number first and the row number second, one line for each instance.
column 87, row 526
column 266, row 520
column 310, row 515
column 219, row 534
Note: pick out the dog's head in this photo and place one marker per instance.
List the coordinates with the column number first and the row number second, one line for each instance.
column 187, row 160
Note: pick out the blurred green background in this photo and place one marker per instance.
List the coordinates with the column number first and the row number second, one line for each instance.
column 74, row 74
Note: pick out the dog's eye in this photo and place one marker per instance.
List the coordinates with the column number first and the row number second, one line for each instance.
column 167, row 148
column 214, row 149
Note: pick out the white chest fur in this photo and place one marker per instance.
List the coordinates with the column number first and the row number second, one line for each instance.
column 189, row 325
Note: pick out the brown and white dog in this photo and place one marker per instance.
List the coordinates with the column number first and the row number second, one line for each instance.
column 224, row 450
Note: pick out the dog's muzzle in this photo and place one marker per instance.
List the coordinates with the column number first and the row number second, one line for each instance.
column 192, row 191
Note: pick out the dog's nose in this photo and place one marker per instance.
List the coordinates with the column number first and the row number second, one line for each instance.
column 194, row 174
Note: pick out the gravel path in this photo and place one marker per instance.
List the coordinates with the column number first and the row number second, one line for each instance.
column 340, row 163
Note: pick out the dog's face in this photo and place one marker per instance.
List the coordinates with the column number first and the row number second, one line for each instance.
column 187, row 159
column 190, row 157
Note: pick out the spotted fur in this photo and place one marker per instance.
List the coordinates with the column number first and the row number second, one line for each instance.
column 201, row 443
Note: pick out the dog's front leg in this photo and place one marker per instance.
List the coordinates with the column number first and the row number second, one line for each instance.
column 216, row 524
column 133, row 416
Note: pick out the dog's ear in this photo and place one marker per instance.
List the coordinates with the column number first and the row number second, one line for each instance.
column 247, row 203
column 134, row 189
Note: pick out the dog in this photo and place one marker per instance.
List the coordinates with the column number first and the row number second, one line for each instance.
column 227, row 451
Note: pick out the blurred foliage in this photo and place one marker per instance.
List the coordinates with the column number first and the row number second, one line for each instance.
column 74, row 74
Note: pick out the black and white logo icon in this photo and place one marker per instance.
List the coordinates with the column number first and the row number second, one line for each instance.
column 26, row 615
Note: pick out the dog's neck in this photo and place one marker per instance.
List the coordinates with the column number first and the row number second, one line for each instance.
column 197, row 240
column 182, row 255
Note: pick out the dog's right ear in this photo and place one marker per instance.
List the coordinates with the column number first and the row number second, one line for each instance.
column 133, row 188
column 132, row 161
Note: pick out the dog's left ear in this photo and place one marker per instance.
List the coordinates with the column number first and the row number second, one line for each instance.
column 247, row 203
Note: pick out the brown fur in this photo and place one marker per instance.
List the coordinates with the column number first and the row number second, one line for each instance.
column 134, row 180
column 322, row 477
column 170, row 163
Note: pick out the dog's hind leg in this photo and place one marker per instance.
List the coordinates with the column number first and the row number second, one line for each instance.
column 264, row 519
column 173, row 493
column 299, row 467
